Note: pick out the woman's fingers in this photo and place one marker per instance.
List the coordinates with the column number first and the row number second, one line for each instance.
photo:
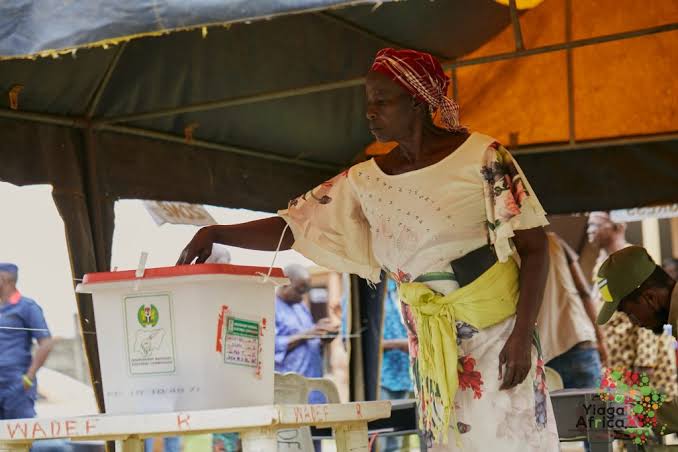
column 517, row 357
column 515, row 374
column 183, row 257
column 502, row 361
column 509, row 376
column 187, row 255
column 200, row 248
column 519, row 376
column 203, row 255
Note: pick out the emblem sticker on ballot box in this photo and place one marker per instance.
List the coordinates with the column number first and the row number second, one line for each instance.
column 150, row 334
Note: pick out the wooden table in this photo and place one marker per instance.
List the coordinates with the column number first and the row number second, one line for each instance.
column 256, row 425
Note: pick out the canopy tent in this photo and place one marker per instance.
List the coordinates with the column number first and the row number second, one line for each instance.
column 250, row 115
column 289, row 90
column 53, row 27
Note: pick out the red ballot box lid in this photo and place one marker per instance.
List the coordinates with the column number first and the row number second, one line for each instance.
column 182, row 270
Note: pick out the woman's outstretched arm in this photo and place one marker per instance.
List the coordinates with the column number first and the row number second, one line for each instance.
column 262, row 235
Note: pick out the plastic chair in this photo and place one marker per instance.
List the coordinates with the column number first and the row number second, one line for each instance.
column 291, row 388
column 554, row 381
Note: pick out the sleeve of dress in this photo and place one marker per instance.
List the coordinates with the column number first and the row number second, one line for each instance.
column 510, row 202
column 330, row 228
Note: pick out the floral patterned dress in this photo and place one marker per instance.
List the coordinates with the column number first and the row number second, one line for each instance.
column 364, row 221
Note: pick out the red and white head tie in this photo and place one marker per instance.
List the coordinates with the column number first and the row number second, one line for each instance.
column 423, row 76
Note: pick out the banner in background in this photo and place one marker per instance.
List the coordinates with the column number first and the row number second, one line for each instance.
column 642, row 213
column 178, row 213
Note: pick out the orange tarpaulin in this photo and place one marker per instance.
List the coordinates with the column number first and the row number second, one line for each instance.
column 621, row 88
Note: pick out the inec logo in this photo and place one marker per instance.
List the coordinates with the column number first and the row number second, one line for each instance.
column 148, row 315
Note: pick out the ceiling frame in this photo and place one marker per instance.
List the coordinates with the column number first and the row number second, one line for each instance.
column 353, row 82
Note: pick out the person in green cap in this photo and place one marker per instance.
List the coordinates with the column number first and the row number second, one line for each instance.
column 631, row 282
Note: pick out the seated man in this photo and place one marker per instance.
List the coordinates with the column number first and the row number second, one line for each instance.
column 298, row 340
column 630, row 282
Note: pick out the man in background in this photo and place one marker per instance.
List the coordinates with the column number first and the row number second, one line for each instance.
column 630, row 346
column 298, row 340
column 572, row 342
column 605, row 234
column 630, row 282
column 623, row 339
column 21, row 323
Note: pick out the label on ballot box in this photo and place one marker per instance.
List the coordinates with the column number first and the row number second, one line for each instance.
column 242, row 342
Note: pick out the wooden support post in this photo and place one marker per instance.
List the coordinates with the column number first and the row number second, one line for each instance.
column 100, row 207
column 351, row 437
column 259, row 440
column 88, row 224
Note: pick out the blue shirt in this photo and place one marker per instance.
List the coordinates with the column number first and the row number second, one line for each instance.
column 26, row 316
column 304, row 359
column 395, row 364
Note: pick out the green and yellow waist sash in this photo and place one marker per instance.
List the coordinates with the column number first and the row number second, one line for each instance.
column 487, row 301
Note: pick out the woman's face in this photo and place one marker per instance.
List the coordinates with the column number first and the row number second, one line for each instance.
column 391, row 111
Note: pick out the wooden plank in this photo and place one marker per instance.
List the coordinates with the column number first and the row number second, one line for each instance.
column 328, row 414
column 232, row 419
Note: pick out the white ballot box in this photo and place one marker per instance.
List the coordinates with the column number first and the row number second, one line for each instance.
column 191, row 337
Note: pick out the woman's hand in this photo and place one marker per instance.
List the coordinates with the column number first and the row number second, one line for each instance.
column 199, row 248
column 517, row 357
column 532, row 246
